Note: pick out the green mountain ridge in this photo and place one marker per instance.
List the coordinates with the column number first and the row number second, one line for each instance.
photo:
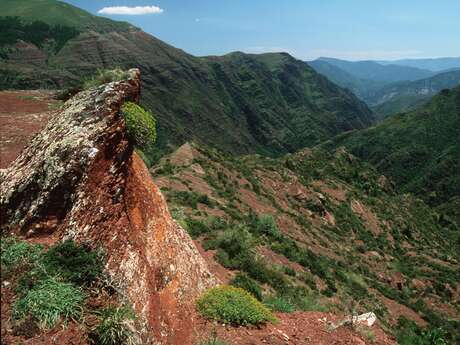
column 419, row 150
column 55, row 12
column 404, row 96
column 240, row 103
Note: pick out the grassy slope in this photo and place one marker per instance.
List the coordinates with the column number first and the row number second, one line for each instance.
column 419, row 150
column 269, row 104
column 344, row 232
column 59, row 13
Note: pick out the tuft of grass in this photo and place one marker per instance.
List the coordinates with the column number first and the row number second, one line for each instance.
column 116, row 326
column 104, row 76
column 49, row 301
column 212, row 341
column 279, row 303
column 366, row 333
column 234, row 306
column 72, row 262
column 16, row 253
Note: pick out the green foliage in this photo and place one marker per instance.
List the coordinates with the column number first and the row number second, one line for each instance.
column 408, row 333
column 191, row 199
column 140, row 127
column 419, row 149
column 72, row 263
column 242, row 281
column 279, row 303
column 233, row 306
column 116, row 326
column 36, row 32
column 104, row 76
column 48, row 301
column 17, row 253
column 266, row 224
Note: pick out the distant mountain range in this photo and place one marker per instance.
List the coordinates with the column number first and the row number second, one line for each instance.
column 389, row 87
column 434, row 65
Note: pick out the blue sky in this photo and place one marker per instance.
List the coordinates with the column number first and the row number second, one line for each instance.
column 349, row 29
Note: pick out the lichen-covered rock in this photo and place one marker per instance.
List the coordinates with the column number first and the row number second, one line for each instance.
column 80, row 179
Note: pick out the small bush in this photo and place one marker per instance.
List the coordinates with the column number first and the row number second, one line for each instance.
column 116, row 326
column 72, row 262
column 233, row 305
column 140, row 127
column 106, row 76
column 267, row 225
column 279, row 303
column 241, row 280
column 48, row 301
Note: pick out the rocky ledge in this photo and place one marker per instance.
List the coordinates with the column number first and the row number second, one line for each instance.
column 79, row 178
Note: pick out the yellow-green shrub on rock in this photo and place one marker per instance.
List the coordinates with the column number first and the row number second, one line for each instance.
column 233, row 305
column 140, row 126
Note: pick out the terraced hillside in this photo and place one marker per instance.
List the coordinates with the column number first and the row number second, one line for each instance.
column 316, row 231
column 270, row 103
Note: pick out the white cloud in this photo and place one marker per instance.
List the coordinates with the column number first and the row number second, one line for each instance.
column 135, row 11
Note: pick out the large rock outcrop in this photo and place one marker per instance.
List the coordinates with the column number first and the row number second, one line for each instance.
column 79, row 178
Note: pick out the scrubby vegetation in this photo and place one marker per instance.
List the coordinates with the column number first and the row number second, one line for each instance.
column 344, row 233
column 52, row 286
column 234, row 306
column 140, row 128
column 116, row 326
column 48, row 301
column 104, row 76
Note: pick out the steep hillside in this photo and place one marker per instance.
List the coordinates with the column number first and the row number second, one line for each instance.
column 316, row 231
column 419, row 150
column 269, row 103
column 405, row 96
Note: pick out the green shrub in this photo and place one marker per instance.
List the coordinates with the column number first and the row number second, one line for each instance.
column 72, row 262
column 116, row 326
column 279, row 303
column 408, row 333
column 104, row 76
column 140, row 127
column 241, row 280
column 16, row 253
column 48, row 301
column 267, row 225
column 233, row 305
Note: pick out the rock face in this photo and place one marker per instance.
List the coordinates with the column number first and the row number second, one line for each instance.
column 80, row 179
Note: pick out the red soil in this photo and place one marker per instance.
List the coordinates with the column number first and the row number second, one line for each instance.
column 297, row 328
column 22, row 115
